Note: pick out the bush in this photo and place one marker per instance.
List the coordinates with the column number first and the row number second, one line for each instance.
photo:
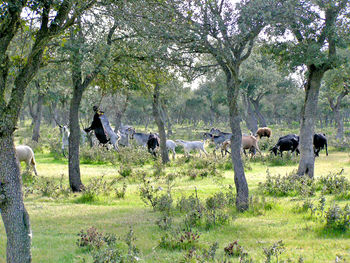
column 337, row 218
column 107, row 247
column 120, row 193
column 96, row 187
column 137, row 156
column 334, row 183
column 258, row 205
column 97, row 155
column 125, row 171
column 91, row 239
column 179, row 239
column 288, row 185
column 234, row 250
column 212, row 212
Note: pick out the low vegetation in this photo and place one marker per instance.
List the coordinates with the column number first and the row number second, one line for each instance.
column 134, row 209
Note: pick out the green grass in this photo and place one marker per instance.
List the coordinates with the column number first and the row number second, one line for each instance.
column 57, row 221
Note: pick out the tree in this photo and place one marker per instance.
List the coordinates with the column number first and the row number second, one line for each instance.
column 317, row 28
column 216, row 28
column 80, row 83
column 37, row 114
column 337, row 85
column 13, row 212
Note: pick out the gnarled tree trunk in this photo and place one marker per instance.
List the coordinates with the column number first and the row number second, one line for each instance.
column 337, row 114
column 308, row 114
column 119, row 112
column 261, row 118
column 74, row 139
column 242, row 201
column 79, row 85
column 13, row 212
column 249, row 117
column 38, row 116
column 160, row 124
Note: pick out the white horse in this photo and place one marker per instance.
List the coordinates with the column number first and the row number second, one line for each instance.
column 26, row 154
column 170, row 145
column 192, row 145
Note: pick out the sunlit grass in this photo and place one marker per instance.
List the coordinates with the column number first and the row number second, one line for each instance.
column 56, row 221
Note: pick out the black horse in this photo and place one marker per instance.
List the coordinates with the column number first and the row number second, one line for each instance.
column 97, row 127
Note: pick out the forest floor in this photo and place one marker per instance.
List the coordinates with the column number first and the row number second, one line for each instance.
column 296, row 217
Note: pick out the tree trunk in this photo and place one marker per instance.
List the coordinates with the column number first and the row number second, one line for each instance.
column 308, row 115
column 250, row 118
column 337, row 114
column 242, row 201
column 340, row 124
column 119, row 113
column 258, row 113
column 74, row 140
column 166, row 119
column 160, row 124
column 13, row 212
column 38, row 116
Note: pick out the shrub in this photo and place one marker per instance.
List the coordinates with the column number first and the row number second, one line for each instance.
column 234, row 250
column 137, row 156
column 148, row 192
column 288, row 185
column 107, row 247
column 337, row 218
column 55, row 148
column 274, row 251
column 201, row 255
column 334, row 183
column 91, row 239
column 120, row 193
column 97, row 155
column 125, row 171
column 258, row 205
column 212, row 212
column 96, row 187
column 179, row 239
column 215, row 213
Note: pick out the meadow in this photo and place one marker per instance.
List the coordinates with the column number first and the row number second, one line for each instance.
column 134, row 209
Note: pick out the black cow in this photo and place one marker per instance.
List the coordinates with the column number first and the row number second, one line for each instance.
column 320, row 141
column 288, row 142
column 152, row 144
column 97, row 127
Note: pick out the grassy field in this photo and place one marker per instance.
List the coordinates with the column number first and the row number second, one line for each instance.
column 57, row 216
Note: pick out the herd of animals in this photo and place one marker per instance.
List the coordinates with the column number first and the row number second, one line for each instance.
column 221, row 140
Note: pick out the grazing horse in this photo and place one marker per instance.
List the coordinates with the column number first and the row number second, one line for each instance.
column 192, row 145
column 320, row 141
column 140, row 138
column 289, row 142
column 152, row 144
column 26, row 154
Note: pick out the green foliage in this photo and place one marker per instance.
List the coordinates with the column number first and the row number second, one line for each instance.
column 338, row 218
column 288, row 185
column 334, row 183
column 201, row 255
column 258, row 205
column 235, row 250
column 91, row 239
column 44, row 186
column 274, row 251
column 108, row 248
column 98, row 187
column 137, row 156
column 179, row 239
column 125, row 171
column 97, row 155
